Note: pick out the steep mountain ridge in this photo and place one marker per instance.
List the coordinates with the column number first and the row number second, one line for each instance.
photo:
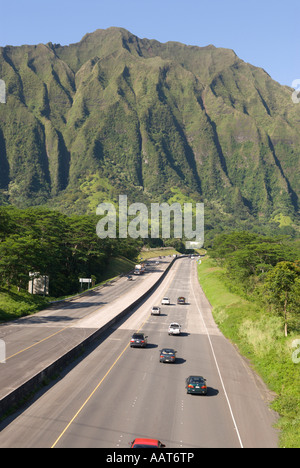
column 118, row 114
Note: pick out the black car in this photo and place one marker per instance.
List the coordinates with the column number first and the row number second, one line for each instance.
column 138, row 340
column 196, row 384
column 181, row 300
column 167, row 355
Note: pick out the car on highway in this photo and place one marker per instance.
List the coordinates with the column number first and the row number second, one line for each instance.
column 146, row 443
column 155, row 310
column 181, row 300
column 138, row 340
column 129, row 278
column 165, row 301
column 167, row 355
column 196, row 384
column 174, row 328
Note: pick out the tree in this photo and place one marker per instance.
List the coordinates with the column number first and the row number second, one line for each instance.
column 282, row 289
column 19, row 256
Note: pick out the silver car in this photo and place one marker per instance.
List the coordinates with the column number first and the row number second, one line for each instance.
column 155, row 310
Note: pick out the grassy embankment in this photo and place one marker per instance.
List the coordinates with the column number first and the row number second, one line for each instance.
column 259, row 337
column 155, row 253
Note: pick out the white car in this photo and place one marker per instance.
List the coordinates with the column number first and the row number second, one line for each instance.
column 174, row 329
column 165, row 300
column 155, row 310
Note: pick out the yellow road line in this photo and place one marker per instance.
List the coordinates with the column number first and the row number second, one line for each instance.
column 53, row 334
column 89, row 397
column 95, row 389
column 35, row 344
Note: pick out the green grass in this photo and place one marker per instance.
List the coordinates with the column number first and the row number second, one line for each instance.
column 154, row 253
column 117, row 266
column 259, row 337
column 14, row 304
column 283, row 220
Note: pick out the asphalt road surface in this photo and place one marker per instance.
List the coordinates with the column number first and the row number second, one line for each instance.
column 35, row 342
column 116, row 393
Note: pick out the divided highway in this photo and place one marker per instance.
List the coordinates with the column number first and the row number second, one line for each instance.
column 116, row 393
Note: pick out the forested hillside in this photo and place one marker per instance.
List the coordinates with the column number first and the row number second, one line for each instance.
column 117, row 114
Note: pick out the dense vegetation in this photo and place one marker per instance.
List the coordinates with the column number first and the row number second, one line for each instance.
column 61, row 247
column 265, row 269
column 252, row 282
column 115, row 114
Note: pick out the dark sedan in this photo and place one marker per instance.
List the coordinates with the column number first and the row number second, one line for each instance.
column 138, row 340
column 167, row 355
column 196, row 384
column 181, row 300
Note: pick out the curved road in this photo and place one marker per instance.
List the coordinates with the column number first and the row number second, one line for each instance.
column 116, row 393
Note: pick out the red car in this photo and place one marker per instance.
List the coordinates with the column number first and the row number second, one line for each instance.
column 147, row 443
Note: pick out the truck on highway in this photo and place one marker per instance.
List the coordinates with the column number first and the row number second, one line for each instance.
column 139, row 269
column 174, row 328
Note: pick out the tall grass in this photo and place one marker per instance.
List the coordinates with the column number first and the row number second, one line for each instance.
column 14, row 304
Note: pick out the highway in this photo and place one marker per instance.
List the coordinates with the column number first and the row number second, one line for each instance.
column 36, row 341
column 116, row 393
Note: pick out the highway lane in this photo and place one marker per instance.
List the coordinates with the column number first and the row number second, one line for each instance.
column 35, row 341
column 117, row 393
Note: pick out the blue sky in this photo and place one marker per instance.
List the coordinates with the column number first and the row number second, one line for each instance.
column 263, row 32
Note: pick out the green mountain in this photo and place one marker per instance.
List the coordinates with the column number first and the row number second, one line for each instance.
column 116, row 114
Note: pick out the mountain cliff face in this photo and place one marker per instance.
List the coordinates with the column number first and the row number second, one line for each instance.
column 115, row 114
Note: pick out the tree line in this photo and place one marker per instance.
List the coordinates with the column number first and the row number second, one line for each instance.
column 264, row 268
column 62, row 247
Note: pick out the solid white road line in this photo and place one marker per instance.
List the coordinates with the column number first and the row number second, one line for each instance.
column 216, row 362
